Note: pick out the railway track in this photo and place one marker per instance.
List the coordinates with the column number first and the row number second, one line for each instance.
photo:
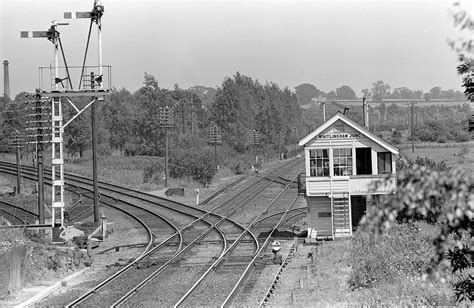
column 17, row 215
column 219, row 277
column 212, row 241
column 192, row 231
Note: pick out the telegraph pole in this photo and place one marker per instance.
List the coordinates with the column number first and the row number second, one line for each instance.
column 18, row 174
column 321, row 100
column 16, row 143
column 255, row 140
column 38, row 132
column 40, row 168
column 192, row 116
column 215, row 137
column 39, row 157
column 166, row 157
column 412, row 128
column 183, row 131
column 166, row 120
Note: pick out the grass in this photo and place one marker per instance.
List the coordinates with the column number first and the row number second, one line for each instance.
column 127, row 171
column 386, row 272
column 121, row 170
column 388, row 269
column 442, row 152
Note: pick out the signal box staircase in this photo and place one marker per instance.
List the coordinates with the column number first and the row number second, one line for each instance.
column 341, row 217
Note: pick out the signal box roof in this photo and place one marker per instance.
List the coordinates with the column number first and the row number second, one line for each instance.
column 361, row 129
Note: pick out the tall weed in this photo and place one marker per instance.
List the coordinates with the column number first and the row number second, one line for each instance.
column 388, row 268
column 403, row 251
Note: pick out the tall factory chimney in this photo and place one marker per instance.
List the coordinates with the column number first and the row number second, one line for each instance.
column 6, row 79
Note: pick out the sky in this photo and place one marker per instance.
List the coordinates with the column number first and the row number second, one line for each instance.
column 325, row 43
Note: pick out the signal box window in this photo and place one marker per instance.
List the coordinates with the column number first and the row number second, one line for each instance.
column 342, row 162
column 319, row 162
column 363, row 161
column 384, row 162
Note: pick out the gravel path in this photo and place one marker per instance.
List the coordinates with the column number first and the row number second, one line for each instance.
column 289, row 289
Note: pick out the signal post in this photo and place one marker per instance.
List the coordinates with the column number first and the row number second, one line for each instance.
column 58, row 94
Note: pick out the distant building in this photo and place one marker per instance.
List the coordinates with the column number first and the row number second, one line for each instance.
column 344, row 161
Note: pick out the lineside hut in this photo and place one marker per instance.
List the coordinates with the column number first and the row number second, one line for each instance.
column 344, row 161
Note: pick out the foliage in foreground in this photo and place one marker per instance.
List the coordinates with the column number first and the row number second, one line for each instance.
column 401, row 251
column 421, row 192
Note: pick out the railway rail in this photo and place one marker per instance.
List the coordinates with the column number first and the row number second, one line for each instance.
column 17, row 215
column 235, row 258
column 222, row 225
column 116, row 192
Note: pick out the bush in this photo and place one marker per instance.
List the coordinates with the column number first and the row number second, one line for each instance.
column 396, row 134
column 462, row 136
column 238, row 166
column 462, row 153
column 395, row 140
column 152, row 172
column 403, row 163
column 425, row 134
column 104, row 150
column 195, row 162
column 442, row 139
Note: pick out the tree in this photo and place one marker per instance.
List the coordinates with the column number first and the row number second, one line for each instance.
column 243, row 104
column 331, row 95
column 435, row 93
column 305, row 92
column 464, row 24
column 465, row 70
column 77, row 134
column 380, row 90
column 148, row 136
column 117, row 114
column 366, row 93
column 406, row 93
column 345, row 92
column 206, row 94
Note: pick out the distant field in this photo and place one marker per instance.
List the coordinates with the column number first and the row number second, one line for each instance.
column 389, row 102
column 442, row 152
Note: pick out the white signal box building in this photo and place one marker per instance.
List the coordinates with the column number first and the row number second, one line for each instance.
column 345, row 166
